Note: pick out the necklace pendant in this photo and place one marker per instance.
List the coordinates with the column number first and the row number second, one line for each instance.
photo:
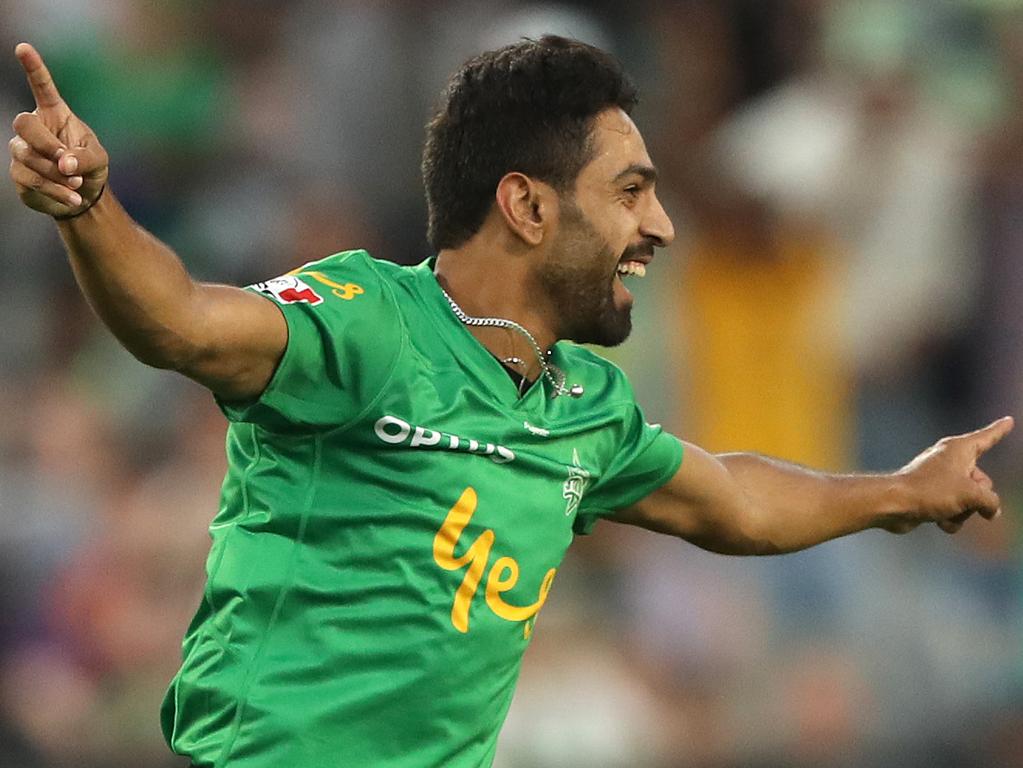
column 548, row 370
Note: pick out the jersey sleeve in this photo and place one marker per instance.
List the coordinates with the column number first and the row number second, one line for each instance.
column 647, row 457
column 344, row 335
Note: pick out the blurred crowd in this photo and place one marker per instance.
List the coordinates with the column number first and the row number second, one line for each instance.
column 846, row 179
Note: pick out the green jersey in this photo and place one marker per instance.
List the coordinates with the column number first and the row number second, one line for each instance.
column 391, row 522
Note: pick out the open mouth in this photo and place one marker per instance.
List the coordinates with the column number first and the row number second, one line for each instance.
column 631, row 269
column 626, row 269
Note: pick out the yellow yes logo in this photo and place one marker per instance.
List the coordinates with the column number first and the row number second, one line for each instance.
column 346, row 291
column 503, row 575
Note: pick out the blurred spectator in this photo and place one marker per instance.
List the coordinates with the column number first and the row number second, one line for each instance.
column 856, row 145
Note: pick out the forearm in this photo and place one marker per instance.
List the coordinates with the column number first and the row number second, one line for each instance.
column 225, row 338
column 788, row 507
column 135, row 283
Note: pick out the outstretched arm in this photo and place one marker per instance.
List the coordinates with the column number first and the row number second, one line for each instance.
column 745, row 504
column 223, row 337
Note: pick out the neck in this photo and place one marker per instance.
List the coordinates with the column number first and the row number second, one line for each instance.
column 493, row 283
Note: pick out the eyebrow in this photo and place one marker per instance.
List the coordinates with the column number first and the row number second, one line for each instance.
column 648, row 172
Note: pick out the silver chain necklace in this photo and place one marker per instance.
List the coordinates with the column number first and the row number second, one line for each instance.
column 554, row 374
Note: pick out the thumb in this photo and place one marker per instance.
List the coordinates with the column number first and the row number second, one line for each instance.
column 983, row 500
column 84, row 158
column 982, row 478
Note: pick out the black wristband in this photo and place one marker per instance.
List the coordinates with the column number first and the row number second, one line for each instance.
column 85, row 210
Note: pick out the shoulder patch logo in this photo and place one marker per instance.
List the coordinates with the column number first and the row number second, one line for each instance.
column 346, row 291
column 289, row 289
column 574, row 487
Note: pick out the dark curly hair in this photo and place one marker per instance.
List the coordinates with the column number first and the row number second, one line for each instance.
column 527, row 107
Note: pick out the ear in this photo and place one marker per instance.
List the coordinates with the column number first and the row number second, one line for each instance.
column 525, row 206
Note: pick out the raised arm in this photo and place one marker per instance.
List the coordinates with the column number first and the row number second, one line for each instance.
column 223, row 337
column 745, row 504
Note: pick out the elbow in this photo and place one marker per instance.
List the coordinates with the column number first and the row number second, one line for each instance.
column 156, row 360
column 761, row 547
column 166, row 351
column 746, row 535
column 761, row 536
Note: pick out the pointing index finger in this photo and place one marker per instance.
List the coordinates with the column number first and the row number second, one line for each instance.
column 986, row 438
column 39, row 79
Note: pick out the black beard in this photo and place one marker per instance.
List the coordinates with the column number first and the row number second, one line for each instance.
column 580, row 288
column 586, row 306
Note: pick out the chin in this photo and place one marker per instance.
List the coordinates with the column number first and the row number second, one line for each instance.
column 610, row 331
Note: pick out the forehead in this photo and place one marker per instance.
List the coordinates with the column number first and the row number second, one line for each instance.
column 617, row 144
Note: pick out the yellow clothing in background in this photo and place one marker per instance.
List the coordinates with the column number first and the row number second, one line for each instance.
column 763, row 368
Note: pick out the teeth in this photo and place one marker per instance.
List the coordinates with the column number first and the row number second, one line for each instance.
column 633, row 268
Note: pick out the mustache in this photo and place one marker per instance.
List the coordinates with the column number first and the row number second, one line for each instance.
column 643, row 248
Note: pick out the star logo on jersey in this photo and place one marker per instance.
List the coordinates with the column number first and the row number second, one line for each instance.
column 575, row 485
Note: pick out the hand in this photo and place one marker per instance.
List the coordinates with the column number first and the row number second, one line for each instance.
column 57, row 164
column 945, row 484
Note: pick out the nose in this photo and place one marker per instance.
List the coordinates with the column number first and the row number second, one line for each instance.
column 657, row 224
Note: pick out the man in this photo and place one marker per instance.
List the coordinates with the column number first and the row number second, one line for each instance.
column 412, row 449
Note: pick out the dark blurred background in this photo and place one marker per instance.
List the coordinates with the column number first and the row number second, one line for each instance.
column 846, row 179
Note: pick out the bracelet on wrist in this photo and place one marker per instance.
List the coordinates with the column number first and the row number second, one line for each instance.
column 68, row 217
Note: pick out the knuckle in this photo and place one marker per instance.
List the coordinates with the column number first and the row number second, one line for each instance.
column 19, row 149
column 21, row 120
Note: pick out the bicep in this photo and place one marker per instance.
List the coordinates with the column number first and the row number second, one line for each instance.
column 242, row 338
column 701, row 503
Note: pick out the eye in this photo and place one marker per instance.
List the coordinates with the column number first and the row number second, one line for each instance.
column 631, row 194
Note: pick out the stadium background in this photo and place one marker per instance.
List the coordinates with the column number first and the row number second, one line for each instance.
column 847, row 182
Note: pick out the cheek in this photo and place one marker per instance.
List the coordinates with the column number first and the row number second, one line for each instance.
column 623, row 227
column 613, row 230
